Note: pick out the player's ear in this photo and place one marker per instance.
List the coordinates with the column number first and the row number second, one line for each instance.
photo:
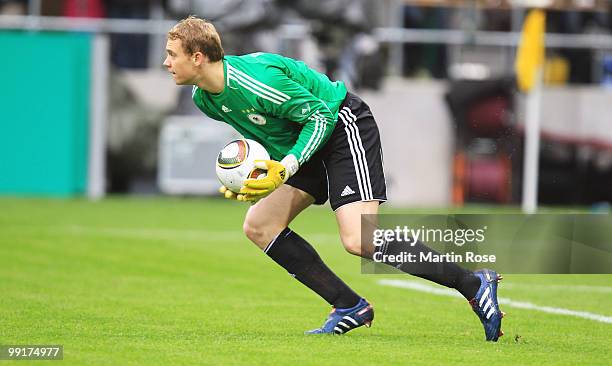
column 199, row 58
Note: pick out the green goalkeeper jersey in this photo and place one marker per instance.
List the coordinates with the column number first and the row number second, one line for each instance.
column 277, row 101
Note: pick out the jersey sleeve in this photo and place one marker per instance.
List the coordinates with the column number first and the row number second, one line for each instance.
column 284, row 98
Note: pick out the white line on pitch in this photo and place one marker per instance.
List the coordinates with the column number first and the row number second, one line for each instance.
column 417, row 286
column 575, row 288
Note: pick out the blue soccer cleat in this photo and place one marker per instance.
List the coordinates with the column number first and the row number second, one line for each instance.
column 341, row 321
column 485, row 304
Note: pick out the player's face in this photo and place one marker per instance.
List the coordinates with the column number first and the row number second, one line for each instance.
column 179, row 64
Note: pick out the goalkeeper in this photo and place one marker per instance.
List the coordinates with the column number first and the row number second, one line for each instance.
column 326, row 145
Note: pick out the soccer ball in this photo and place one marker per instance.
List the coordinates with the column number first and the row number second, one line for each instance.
column 236, row 163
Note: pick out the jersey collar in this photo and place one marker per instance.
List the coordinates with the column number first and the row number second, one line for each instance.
column 226, row 83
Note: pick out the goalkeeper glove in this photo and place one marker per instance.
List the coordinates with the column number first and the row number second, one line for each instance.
column 230, row 195
column 278, row 173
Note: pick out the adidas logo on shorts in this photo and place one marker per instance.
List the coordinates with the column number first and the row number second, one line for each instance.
column 347, row 191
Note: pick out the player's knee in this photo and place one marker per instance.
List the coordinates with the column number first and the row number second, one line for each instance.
column 254, row 232
column 259, row 233
column 352, row 244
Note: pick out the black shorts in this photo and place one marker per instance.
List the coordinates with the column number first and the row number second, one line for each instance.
column 349, row 167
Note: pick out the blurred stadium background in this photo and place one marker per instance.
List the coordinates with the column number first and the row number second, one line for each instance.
column 89, row 114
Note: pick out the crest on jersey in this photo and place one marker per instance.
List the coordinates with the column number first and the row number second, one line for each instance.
column 258, row 119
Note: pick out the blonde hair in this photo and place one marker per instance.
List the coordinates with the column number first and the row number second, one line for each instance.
column 198, row 35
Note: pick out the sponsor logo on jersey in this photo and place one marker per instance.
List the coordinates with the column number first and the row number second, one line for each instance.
column 258, row 119
column 225, row 109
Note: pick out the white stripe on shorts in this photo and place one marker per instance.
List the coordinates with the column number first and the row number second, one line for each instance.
column 360, row 144
column 358, row 153
column 355, row 161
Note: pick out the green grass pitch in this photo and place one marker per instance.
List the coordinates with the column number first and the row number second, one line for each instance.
column 147, row 281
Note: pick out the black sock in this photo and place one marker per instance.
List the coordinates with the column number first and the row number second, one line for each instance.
column 448, row 274
column 302, row 261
